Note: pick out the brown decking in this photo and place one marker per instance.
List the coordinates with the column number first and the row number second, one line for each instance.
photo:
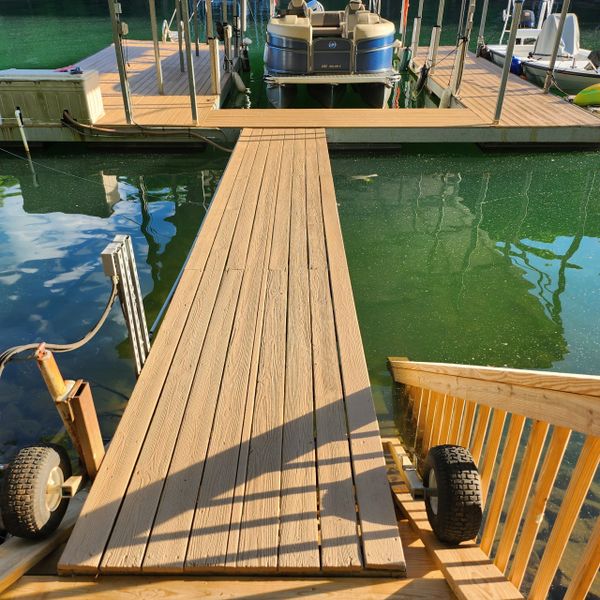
column 250, row 443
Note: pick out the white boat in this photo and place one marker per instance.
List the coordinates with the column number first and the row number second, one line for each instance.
column 575, row 68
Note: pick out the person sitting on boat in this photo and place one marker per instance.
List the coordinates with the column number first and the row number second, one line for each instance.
column 298, row 8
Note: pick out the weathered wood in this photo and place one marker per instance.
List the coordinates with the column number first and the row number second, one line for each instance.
column 581, row 479
column 380, row 541
column 576, row 410
column 17, row 556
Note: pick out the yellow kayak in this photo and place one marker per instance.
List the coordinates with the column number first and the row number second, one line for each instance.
column 589, row 97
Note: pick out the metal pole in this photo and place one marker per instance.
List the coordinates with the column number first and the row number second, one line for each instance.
column 561, row 28
column 508, row 59
column 215, row 68
column 115, row 11
column 196, row 28
column 435, row 35
column 481, row 36
column 459, row 65
column 417, row 29
column 244, row 11
column 189, row 60
column 403, row 23
column 224, row 10
column 179, row 33
column 159, row 75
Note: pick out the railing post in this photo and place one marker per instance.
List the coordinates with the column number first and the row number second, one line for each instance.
column 561, row 27
column 179, row 34
column 416, row 33
column 189, row 60
column 215, row 68
column 508, row 59
column 435, row 36
column 459, row 64
column 481, row 36
column 153, row 25
column 117, row 29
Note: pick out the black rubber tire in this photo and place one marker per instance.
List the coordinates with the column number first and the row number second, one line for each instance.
column 23, row 497
column 458, row 514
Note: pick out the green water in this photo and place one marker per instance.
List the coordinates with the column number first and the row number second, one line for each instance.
column 455, row 255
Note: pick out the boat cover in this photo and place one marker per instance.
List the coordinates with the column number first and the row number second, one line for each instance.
column 569, row 43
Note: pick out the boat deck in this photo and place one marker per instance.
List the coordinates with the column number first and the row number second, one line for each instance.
column 250, row 443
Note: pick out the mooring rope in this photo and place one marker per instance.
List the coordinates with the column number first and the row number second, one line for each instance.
column 10, row 353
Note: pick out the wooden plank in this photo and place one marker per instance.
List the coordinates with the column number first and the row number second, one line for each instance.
column 432, row 587
column 537, row 507
column 17, row 556
column 127, row 544
column 457, row 421
column 209, row 537
column 167, row 544
column 298, row 547
column 491, row 451
column 575, row 411
column 587, row 567
column 337, row 506
column 380, row 540
column 469, row 572
column 581, row 479
column 90, row 535
column 523, row 485
column 509, row 454
column 483, row 417
column 466, row 427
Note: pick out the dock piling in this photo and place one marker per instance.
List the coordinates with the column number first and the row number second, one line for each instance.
column 481, row 36
column 159, row 75
column 508, row 59
column 416, row 32
column 115, row 18
column 463, row 45
column 561, row 27
column 179, row 34
column 215, row 68
column 435, row 36
column 189, row 60
column 196, row 28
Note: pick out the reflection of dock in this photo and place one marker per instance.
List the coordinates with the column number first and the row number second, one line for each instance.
column 250, row 443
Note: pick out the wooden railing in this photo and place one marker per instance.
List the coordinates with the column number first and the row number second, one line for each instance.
column 473, row 407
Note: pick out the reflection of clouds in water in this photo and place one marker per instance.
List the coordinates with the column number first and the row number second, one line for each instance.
column 10, row 279
column 74, row 274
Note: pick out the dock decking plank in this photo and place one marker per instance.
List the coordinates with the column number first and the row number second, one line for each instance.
column 244, row 460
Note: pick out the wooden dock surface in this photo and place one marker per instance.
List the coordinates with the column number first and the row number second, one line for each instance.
column 250, row 443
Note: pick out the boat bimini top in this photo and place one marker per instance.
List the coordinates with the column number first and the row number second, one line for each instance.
column 355, row 40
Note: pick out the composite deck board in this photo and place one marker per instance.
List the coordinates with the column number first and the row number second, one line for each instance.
column 245, row 447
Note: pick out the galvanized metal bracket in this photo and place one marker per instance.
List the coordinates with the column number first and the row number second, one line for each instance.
column 118, row 261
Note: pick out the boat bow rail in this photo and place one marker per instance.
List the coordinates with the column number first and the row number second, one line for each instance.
column 501, row 416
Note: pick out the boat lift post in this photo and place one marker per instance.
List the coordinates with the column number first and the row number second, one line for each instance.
column 466, row 27
column 209, row 21
column 403, row 22
column 179, row 34
column 224, row 11
column 189, row 59
column 481, row 36
column 118, row 29
column 561, row 28
column 508, row 59
column 159, row 75
column 436, row 33
column 416, row 32
column 196, row 27
column 244, row 11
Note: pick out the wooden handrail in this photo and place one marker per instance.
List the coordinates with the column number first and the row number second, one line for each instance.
column 560, row 399
column 496, row 413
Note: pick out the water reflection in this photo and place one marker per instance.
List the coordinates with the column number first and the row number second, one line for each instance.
column 51, row 279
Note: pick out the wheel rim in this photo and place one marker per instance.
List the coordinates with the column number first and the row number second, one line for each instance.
column 432, row 492
column 54, row 489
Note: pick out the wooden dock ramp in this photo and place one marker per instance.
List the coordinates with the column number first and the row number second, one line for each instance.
column 250, row 443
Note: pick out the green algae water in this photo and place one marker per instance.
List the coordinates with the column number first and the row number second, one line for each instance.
column 455, row 255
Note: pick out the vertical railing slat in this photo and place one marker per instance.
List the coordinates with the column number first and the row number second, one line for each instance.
column 457, row 420
column 509, row 454
column 491, row 451
column 535, row 512
column 483, row 418
column 587, row 567
column 529, row 464
column 466, row 427
column 581, row 479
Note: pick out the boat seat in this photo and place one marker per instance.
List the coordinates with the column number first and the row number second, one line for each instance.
column 298, row 8
column 371, row 26
column 354, row 8
column 291, row 26
column 327, row 24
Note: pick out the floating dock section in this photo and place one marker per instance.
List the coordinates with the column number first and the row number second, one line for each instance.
column 250, row 443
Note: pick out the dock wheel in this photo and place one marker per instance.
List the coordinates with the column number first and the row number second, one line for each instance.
column 31, row 499
column 452, row 494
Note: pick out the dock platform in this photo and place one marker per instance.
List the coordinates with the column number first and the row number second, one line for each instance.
column 250, row 443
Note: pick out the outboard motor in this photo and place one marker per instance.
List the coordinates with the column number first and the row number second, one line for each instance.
column 594, row 58
column 527, row 19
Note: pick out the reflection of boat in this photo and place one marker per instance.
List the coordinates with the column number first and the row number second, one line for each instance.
column 575, row 69
column 327, row 50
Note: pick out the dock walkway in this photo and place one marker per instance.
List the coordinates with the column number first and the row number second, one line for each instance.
column 250, row 443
